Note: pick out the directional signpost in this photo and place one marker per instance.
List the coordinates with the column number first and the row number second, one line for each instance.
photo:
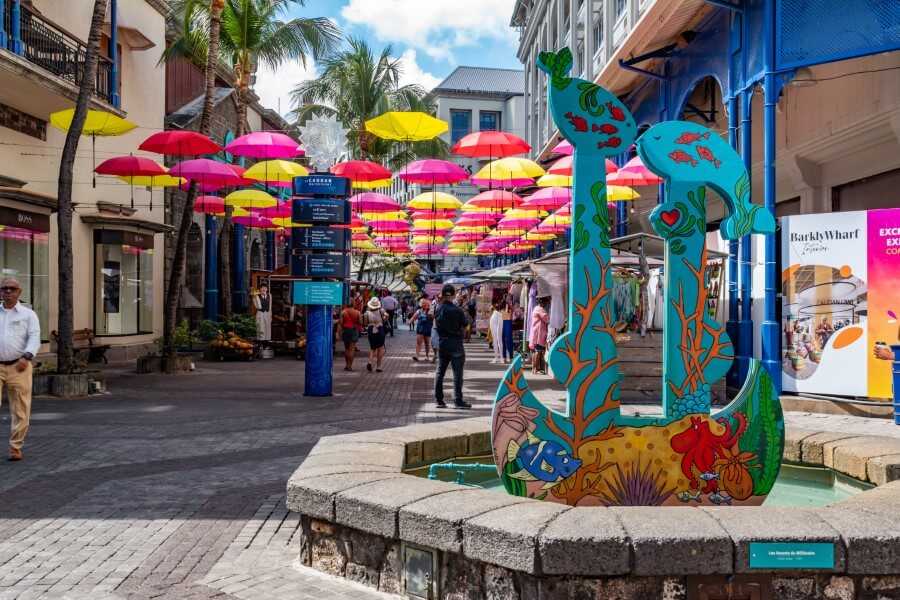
column 320, row 253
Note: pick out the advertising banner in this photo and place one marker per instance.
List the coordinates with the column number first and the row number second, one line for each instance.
column 841, row 294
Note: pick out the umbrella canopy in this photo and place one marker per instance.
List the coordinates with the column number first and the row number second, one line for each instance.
column 179, row 143
column 433, row 171
column 396, row 215
column 430, row 230
column 428, row 239
column 281, row 210
column 253, row 220
column 287, row 223
column 406, row 126
column 549, row 198
column 373, row 202
column 497, row 199
column 361, row 171
column 466, row 237
column 424, row 213
column 433, row 224
column 511, row 171
column 435, row 200
column 564, row 147
column 517, row 224
column 250, row 199
column 371, row 185
column 97, row 122
column 490, row 144
column 207, row 172
column 263, row 144
column 130, row 166
column 471, row 228
column 634, row 173
column 380, row 226
column 563, row 166
column 620, row 193
column 423, row 249
column 211, row 205
column 477, row 219
column 160, row 181
column 551, row 180
column 361, row 236
column 275, row 171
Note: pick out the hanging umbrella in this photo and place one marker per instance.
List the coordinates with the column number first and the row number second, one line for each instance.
column 430, row 230
column 432, row 171
column 254, row 221
column 206, row 172
column 250, row 199
column 286, row 222
column 276, row 171
column 389, row 226
column 524, row 223
column 433, row 224
column 467, row 237
column 371, row 185
column 508, row 172
column 373, row 202
column 263, row 144
column 551, row 180
column 428, row 239
column 549, row 198
column 96, row 123
column 477, row 219
column 360, row 236
column 361, row 171
column 480, row 229
column 131, row 166
column 396, row 215
column 564, row 147
column 496, row 199
column 427, row 249
column 281, row 210
column 153, row 181
column 619, row 193
column 211, row 205
column 406, row 126
column 434, row 201
column 179, row 143
column 563, row 166
column 441, row 213
column 634, row 173
column 490, row 144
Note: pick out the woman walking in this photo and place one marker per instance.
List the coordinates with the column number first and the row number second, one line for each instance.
column 496, row 326
column 506, row 315
column 424, row 322
column 375, row 321
column 351, row 323
column 539, row 320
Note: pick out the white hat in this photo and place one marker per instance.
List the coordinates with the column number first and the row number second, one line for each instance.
column 374, row 303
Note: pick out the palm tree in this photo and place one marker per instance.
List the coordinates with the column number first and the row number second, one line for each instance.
column 356, row 86
column 64, row 349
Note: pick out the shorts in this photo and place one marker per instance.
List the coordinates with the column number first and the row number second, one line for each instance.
column 424, row 329
column 376, row 338
column 350, row 336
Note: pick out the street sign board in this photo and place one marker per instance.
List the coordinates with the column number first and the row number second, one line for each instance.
column 320, row 211
column 329, row 293
column 321, row 238
column 320, row 265
column 321, row 185
column 791, row 555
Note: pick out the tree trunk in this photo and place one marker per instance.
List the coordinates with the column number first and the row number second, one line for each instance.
column 64, row 351
column 362, row 265
column 173, row 292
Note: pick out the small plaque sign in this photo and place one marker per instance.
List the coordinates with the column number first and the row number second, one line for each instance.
column 320, row 211
column 321, row 238
column 791, row 555
column 329, row 293
column 320, row 265
column 321, row 185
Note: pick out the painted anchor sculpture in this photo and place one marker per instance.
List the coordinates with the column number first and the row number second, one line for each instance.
column 591, row 454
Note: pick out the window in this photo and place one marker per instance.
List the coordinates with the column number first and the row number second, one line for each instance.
column 618, row 8
column 489, row 120
column 123, row 282
column 105, row 47
column 25, row 255
column 598, row 31
column 460, row 124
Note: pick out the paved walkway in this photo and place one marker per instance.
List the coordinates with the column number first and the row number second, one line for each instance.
column 173, row 486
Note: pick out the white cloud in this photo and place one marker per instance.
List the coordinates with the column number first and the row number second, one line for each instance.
column 433, row 26
column 274, row 86
column 413, row 73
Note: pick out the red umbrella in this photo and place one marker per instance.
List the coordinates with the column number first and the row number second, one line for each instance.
column 490, row 144
column 130, row 166
column 361, row 170
column 180, row 143
column 283, row 210
column 211, row 205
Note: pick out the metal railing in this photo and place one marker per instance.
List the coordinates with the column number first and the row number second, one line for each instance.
column 49, row 46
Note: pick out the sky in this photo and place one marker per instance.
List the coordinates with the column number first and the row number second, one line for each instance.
column 431, row 37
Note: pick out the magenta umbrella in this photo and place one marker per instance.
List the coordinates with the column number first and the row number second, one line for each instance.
column 430, row 231
column 433, row 171
column 467, row 237
column 549, row 198
column 565, row 147
column 206, row 172
column 264, row 144
column 516, row 223
column 283, row 210
column 373, row 202
column 423, row 249
column 502, row 183
column 254, row 220
column 389, row 226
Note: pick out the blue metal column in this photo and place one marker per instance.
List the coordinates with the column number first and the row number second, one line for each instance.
column 270, row 250
column 211, row 271
column 15, row 18
column 114, row 53
column 745, row 326
column 731, row 326
column 238, row 266
column 4, row 37
column 319, row 351
column 771, row 332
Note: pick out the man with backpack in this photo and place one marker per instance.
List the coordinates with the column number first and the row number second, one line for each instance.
column 450, row 322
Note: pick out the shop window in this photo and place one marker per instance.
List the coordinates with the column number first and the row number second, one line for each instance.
column 460, row 124
column 25, row 255
column 489, row 120
column 123, row 280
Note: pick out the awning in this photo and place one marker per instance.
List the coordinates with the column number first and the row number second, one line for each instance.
column 141, row 224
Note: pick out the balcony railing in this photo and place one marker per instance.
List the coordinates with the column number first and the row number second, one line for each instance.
column 49, row 46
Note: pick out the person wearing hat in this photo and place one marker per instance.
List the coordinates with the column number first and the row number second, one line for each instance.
column 20, row 339
column 450, row 322
column 375, row 321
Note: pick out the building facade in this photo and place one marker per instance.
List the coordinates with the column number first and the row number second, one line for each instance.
column 809, row 96
column 117, row 242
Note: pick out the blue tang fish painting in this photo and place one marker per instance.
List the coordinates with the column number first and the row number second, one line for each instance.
column 542, row 461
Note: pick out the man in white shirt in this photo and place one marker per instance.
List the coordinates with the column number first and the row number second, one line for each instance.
column 20, row 339
column 390, row 304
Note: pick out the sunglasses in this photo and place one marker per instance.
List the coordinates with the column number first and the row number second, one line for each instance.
column 8, row 289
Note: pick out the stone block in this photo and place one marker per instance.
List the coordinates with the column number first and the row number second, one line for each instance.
column 392, row 457
column 746, row 524
column 362, row 574
column 329, row 554
column 507, row 536
column 883, row 499
column 436, row 449
column 880, row 587
column 794, row 588
column 391, row 578
column 676, row 541
column 883, row 469
column 851, row 455
column 480, row 444
column 314, row 497
column 812, row 448
column 840, row 588
column 627, row 588
column 305, row 471
column 329, row 446
column 872, row 540
column 436, row 522
column 793, row 436
column 461, row 578
column 585, row 541
column 414, row 454
column 374, row 507
column 499, row 583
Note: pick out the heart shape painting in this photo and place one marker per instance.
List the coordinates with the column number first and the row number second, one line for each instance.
column 670, row 217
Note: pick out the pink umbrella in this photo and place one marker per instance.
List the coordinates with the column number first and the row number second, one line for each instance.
column 429, row 231
column 373, row 202
column 477, row 220
column 549, row 198
column 498, row 199
column 211, row 205
column 564, row 211
column 467, row 237
column 424, row 213
column 432, row 171
column 563, row 166
column 283, row 210
column 361, row 170
column 502, row 183
column 564, row 147
column 516, row 223
column 263, row 144
column 254, row 220
column 634, row 173
column 359, row 237
column 389, row 226
column 513, row 251
column 422, row 249
column 206, row 172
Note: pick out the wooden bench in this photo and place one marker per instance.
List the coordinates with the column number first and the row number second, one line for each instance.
column 83, row 342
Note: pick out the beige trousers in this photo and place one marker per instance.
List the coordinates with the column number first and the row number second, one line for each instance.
column 18, row 393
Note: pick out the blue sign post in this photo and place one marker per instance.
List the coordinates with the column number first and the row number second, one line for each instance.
column 319, row 253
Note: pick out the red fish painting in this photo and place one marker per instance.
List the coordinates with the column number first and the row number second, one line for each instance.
column 680, row 156
column 706, row 154
column 615, row 112
column 605, row 128
column 689, row 137
column 579, row 123
column 612, row 142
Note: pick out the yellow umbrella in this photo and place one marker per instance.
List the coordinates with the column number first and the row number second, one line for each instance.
column 239, row 212
column 485, row 210
column 406, row 126
column 383, row 216
column 286, row 222
column 371, row 185
column 539, row 237
column 509, row 169
column 471, row 229
column 428, row 239
column 281, row 171
column 619, row 193
column 432, row 224
column 250, row 198
column 524, row 213
column 366, row 247
column 97, row 122
column 152, row 181
column 460, row 251
column 435, row 201
column 551, row 180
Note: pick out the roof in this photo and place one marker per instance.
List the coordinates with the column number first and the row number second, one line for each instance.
column 484, row 80
column 182, row 117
